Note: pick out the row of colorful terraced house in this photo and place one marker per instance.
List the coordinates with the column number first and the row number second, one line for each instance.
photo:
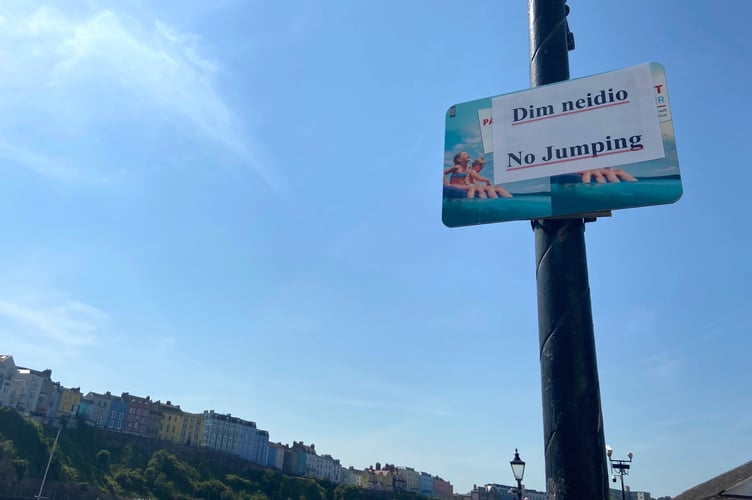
column 34, row 393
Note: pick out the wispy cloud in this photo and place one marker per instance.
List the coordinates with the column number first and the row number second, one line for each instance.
column 48, row 166
column 724, row 325
column 66, row 73
column 56, row 321
column 665, row 366
column 157, row 64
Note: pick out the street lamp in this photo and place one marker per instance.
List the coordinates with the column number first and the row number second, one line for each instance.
column 620, row 468
column 518, row 469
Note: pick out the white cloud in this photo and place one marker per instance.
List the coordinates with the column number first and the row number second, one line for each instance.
column 159, row 65
column 67, row 73
column 55, row 168
column 50, row 320
column 724, row 325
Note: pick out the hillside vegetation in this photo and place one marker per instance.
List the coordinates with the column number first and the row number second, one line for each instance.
column 90, row 464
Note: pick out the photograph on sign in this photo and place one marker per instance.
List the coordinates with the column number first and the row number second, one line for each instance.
column 581, row 146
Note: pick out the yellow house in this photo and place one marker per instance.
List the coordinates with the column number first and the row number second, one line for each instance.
column 411, row 478
column 193, row 427
column 69, row 400
column 172, row 422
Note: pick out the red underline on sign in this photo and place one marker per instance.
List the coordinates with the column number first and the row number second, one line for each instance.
column 567, row 160
column 571, row 112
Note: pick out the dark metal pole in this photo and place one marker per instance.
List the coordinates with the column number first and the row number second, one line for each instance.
column 572, row 420
column 519, row 489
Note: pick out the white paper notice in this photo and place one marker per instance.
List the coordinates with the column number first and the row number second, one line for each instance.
column 601, row 121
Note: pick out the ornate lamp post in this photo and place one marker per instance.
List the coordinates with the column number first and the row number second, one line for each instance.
column 518, row 469
column 620, row 468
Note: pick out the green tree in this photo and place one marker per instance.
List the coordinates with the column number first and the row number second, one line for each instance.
column 347, row 492
column 21, row 465
column 103, row 460
column 28, row 439
column 212, row 489
column 131, row 481
column 166, row 470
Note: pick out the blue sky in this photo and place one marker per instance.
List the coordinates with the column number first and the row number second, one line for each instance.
column 236, row 205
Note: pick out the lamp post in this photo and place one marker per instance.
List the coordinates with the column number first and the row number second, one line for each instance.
column 518, row 469
column 620, row 468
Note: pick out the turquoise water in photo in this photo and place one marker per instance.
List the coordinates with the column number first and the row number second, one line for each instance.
column 577, row 198
column 567, row 198
column 467, row 212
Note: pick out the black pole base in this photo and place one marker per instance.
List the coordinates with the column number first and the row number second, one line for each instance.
column 576, row 466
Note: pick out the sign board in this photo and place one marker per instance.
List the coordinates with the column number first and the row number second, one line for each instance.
column 589, row 145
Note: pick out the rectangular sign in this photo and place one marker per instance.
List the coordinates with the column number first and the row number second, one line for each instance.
column 593, row 144
column 576, row 125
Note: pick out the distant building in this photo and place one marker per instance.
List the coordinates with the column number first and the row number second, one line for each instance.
column 296, row 457
column 220, row 432
column 69, row 400
column 137, row 417
column 11, row 391
column 290, row 462
column 352, row 476
column 494, row 491
column 640, row 495
column 382, row 479
column 615, row 494
column 84, row 409
column 301, row 459
column 34, row 393
column 40, row 385
column 153, row 421
column 275, row 456
column 442, row 489
column 411, row 478
column 21, row 390
column 324, row 467
column 49, row 399
column 118, row 411
column 55, row 397
column 192, row 429
column 426, row 485
column 100, row 408
column 261, row 446
column 7, row 368
column 170, row 420
column 235, row 436
column 254, row 443
column 8, row 372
